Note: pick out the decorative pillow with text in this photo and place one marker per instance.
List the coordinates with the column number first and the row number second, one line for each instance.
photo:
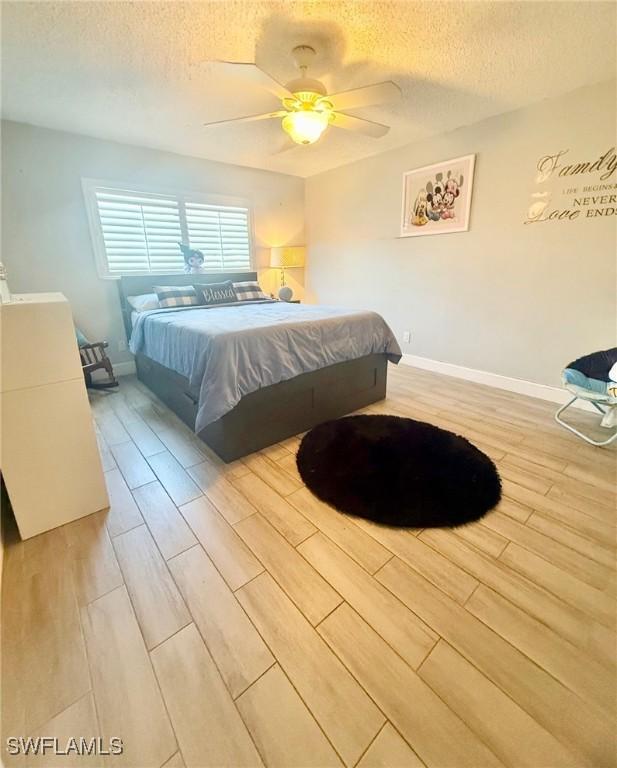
column 217, row 293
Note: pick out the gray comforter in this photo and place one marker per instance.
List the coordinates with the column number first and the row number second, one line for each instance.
column 228, row 351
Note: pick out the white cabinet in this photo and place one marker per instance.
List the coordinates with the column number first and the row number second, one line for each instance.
column 48, row 452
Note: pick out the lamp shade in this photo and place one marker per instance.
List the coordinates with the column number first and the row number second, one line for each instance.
column 287, row 256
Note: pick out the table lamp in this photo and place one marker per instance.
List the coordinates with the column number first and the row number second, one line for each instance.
column 286, row 257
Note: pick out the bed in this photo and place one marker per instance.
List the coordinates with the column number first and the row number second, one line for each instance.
column 249, row 375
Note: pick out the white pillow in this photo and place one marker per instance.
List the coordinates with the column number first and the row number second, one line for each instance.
column 144, row 302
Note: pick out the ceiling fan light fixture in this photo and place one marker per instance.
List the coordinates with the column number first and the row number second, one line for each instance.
column 306, row 126
column 307, row 109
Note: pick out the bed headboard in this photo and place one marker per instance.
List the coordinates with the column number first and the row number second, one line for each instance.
column 133, row 285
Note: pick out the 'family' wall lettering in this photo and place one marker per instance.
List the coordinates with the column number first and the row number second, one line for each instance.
column 594, row 196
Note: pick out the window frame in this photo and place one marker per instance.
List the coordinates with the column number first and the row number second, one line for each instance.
column 90, row 186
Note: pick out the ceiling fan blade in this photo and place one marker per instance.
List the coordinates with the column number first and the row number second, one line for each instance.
column 248, row 118
column 252, row 74
column 379, row 93
column 359, row 125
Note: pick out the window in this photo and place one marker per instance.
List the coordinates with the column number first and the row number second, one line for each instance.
column 137, row 232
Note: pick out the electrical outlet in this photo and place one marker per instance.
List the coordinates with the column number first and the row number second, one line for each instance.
column 406, row 337
column 121, row 345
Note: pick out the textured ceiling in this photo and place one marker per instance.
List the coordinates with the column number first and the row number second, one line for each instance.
column 135, row 73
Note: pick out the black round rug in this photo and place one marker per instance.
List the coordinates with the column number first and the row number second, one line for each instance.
column 398, row 471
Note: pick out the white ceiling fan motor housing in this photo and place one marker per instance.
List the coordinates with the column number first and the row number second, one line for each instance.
column 304, row 87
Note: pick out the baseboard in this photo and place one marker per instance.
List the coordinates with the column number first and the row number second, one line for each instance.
column 520, row 386
column 124, row 369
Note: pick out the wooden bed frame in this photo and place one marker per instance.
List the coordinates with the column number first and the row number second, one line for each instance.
column 270, row 414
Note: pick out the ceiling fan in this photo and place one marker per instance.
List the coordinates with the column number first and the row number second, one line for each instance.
column 307, row 108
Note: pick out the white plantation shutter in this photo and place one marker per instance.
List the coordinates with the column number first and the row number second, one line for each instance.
column 221, row 234
column 138, row 233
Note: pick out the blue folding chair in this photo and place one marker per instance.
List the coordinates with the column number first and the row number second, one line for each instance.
column 592, row 391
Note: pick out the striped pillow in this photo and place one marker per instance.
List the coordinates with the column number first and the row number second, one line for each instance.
column 176, row 295
column 249, row 291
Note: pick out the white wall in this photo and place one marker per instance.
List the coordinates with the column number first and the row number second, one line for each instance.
column 46, row 243
column 509, row 298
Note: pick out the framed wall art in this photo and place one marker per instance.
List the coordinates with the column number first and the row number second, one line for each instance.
column 437, row 198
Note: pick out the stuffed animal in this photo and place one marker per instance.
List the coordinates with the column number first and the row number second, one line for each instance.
column 193, row 260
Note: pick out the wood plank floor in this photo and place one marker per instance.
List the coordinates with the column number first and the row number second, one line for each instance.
column 220, row 615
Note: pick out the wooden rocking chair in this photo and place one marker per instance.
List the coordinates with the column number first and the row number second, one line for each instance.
column 93, row 357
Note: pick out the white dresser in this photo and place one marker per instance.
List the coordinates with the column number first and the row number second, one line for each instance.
column 48, row 452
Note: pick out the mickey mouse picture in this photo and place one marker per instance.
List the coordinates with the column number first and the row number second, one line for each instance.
column 437, row 198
